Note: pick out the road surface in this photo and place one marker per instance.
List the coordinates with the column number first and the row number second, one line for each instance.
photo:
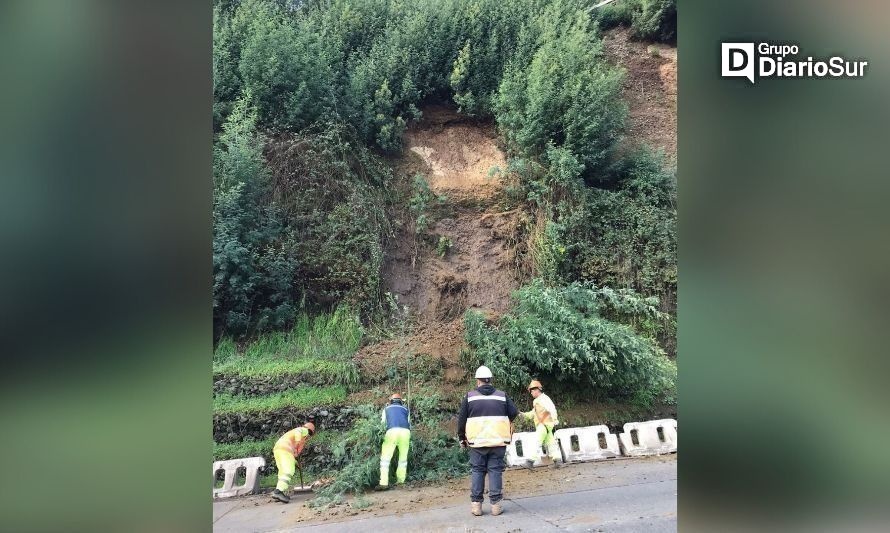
column 615, row 495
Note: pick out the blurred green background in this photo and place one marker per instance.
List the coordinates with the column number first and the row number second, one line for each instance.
column 783, row 273
column 105, row 277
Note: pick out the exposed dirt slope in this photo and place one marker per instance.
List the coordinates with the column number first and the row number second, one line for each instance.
column 650, row 89
column 455, row 154
column 458, row 153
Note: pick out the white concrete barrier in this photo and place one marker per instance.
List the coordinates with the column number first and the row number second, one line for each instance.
column 593, row 442
column 654, row 437
column 251, row 467
column 529, row 440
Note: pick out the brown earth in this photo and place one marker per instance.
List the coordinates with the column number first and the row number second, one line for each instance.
column 455, row 154
column 458, row 153
column 650, row 89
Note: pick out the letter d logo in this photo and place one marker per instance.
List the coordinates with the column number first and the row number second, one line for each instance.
column 738, row 60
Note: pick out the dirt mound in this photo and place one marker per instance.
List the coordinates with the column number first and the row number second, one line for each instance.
column 650, row 89
column 441, row 342
column 459, row 152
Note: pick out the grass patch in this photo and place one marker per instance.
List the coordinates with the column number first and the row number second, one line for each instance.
column 302, row 397
column 322, row 345
column 336, row 335
column 244, row 448
column 320, row 370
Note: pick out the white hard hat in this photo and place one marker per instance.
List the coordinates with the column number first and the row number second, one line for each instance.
column 483, row 372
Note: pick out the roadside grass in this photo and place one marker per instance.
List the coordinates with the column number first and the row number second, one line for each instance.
column 245, row 448
column 322, row 345
column 333, row 335
column 301, row 397
column 320, row 370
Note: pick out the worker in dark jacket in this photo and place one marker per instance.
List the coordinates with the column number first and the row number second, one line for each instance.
column 485, row 426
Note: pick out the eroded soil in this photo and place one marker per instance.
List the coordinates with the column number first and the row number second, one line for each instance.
column 650, row 89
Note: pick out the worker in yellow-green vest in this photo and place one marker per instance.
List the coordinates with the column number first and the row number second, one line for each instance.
column 544, row 415
column 286, row 451
column 398, row 435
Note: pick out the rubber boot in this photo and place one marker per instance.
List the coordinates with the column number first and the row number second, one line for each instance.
column 496, row 509
column 280, row 496
column 557, row 463
column 476, row 508
column 529, row 464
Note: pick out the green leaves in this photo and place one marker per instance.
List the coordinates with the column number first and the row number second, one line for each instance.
column 565, row 94
column 561, row 334
column 650, row 20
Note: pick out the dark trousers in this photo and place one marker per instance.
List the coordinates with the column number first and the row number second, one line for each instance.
column 487, row 461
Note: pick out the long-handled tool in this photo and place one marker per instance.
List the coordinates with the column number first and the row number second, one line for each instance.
column 300, row 470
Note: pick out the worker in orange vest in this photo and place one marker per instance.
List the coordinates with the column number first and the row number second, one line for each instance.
column 544, row 415
column 286, row 450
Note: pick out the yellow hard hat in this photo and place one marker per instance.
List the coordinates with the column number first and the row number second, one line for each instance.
column 310, row 426
column 535, row 384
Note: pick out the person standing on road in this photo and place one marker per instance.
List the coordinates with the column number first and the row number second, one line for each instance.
column 398, row 435
column 286, row 451
column 485, row 426
column 544, row 415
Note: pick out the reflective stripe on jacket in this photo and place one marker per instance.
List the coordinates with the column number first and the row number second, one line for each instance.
column 487, row 420
column 293, row 441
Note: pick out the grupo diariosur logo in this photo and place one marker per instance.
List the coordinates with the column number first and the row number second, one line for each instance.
column 783, row 61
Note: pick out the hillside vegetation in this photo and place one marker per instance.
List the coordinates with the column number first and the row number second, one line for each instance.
column 334, row 247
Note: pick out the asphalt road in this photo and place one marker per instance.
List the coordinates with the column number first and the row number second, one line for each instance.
column 624, row 495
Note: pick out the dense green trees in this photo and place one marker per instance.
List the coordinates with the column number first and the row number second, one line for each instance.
column 651, row 20
column 301, row 228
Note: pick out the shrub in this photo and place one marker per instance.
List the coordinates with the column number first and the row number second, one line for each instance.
column 443, row 246
column 656, row 20
column 283, row 65
column 560, row 334
column 251, row 271
column 650, row 20
column 567, row 95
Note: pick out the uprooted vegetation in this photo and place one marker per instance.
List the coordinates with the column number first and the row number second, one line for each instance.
column 386, row 177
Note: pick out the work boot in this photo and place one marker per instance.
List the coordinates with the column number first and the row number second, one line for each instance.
column 379, row 488
column 280, row 496
column 476, row 508
column 496, row 509
column 529, row 464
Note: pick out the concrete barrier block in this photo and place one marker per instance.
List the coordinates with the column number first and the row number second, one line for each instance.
column 251, row 467
column 516, row 455
column 593, row 442
column 654, row 437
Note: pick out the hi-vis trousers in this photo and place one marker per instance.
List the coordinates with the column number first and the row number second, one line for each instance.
column 395, row 438
column 546, row 438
